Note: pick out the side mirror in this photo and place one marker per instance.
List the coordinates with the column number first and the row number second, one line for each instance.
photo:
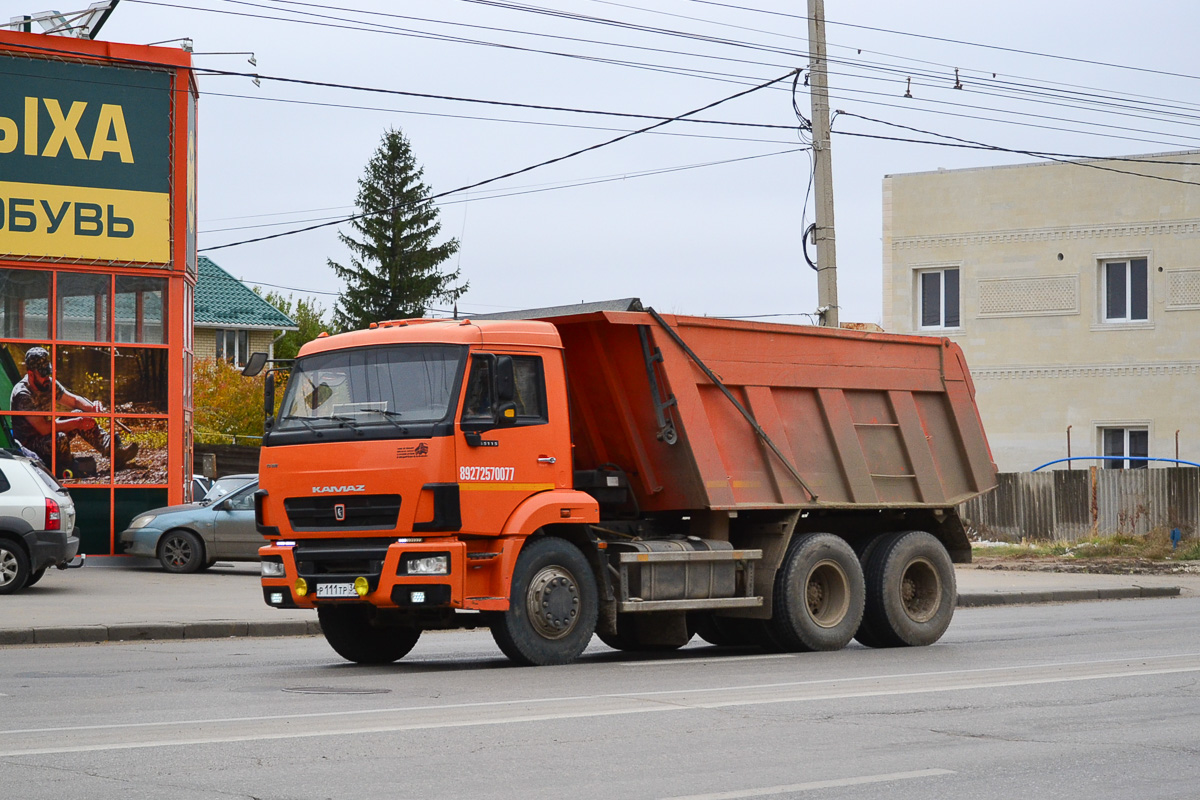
column 506, row 382
column 268, row 398
column 254, row 365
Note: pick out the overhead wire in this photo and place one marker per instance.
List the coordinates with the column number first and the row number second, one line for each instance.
column 547, row 188
column 522, row 170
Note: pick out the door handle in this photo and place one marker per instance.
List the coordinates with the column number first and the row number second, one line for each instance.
column 546, row 459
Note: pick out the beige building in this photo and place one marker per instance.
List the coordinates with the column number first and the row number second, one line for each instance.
column 1073, row 289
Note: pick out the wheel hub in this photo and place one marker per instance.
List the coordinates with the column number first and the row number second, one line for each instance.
column 178, row 551
column 827, row 593
column 553, row 602
column 8, row 568
column 920, row 590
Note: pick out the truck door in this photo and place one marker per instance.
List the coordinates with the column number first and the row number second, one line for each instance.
column 507, row 449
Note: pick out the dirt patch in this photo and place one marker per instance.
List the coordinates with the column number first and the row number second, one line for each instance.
column 1094, row 566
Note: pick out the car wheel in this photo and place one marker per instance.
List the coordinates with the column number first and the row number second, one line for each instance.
column 14, row 567
column 181, row 551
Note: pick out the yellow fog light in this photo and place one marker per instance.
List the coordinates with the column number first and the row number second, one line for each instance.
column 301, row 587
column 361, row 587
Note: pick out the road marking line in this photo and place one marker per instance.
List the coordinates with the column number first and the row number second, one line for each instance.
column 813, row 785
column 94, row 738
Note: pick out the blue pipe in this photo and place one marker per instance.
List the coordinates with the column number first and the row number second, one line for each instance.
column 1115, row 458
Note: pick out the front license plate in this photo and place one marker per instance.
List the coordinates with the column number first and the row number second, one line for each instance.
column 336, row 590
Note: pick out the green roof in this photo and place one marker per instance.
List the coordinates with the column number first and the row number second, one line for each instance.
column 222, row 301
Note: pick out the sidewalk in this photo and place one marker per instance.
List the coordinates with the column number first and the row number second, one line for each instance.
column 122, row 599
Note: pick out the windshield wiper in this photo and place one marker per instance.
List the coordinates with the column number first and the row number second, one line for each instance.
column 305, row 421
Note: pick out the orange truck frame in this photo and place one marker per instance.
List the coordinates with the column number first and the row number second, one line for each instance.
column 642, row 477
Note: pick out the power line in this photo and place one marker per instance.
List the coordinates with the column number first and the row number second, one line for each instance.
column 523, row 170
column 1063, row 158
column 348, row 106
column 965, row 43
column 555, row 187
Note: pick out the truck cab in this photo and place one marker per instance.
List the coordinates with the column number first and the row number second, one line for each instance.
column 406, row 461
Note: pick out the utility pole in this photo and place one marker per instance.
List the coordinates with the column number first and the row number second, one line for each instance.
column 818, row 84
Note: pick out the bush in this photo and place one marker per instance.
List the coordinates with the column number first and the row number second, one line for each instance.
column 226, row 404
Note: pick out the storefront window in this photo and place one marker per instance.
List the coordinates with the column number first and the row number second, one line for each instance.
column 141, row 381
column 24, row 304
column 140, row 309
column 83, row 307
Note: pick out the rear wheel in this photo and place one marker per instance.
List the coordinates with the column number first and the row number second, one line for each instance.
column 359, row 633
column 181, row 551
column 14, row 567
column 819, row 595
column 553, row 607
column 911, row 591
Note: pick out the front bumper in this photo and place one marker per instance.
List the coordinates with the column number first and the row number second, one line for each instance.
column 140, row 541
column 51, row 548
column 328, row 564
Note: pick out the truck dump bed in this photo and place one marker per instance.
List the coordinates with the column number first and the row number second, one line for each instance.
column 846, row 419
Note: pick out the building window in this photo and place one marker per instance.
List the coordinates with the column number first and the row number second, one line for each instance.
column 233, row 346
column 938, row 291
column 1126, row 291
column 1125, row 447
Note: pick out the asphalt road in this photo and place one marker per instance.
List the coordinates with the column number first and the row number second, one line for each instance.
column 1082, row 700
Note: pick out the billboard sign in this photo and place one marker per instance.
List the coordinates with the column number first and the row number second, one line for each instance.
column 85, row 166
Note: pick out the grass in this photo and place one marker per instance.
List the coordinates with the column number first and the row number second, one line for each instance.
column 1154, row 546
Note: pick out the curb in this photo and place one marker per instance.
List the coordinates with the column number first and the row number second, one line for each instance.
column 223, row 629
column 1063, row 596
column 156, row 631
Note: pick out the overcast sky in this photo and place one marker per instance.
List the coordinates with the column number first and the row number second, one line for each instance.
column 722, row 239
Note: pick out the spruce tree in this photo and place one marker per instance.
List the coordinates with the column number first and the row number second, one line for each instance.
column 393, row 271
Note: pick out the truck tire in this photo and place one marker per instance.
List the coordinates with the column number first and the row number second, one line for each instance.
column 553, row 606
column 356, row 633
column 911, row 591
column 181, row 552
column 14, row 567
column 819, row 595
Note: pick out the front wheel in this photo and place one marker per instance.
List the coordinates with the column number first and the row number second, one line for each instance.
column 911, row 591
column 14, row 568
column 553, row 606
column 360, row 634
column 181, row 551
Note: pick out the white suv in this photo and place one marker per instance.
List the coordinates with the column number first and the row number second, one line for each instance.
column 37, row 520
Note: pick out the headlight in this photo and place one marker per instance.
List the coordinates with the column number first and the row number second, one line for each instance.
column 273, row 569
column 142, row 521
column 429, row 565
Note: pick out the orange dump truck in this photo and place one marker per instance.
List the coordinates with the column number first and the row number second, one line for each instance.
column 641, row 477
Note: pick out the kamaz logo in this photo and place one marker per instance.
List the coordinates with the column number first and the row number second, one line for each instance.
column 338, row 489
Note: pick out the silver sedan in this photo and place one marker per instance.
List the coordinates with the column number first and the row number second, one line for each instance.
column 194, row 536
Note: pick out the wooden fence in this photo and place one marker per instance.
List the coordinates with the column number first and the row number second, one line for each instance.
column 231, row 459
column 1067, row 505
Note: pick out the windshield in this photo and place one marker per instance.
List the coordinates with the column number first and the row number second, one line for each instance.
column 396, row 385
column 223, row 486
